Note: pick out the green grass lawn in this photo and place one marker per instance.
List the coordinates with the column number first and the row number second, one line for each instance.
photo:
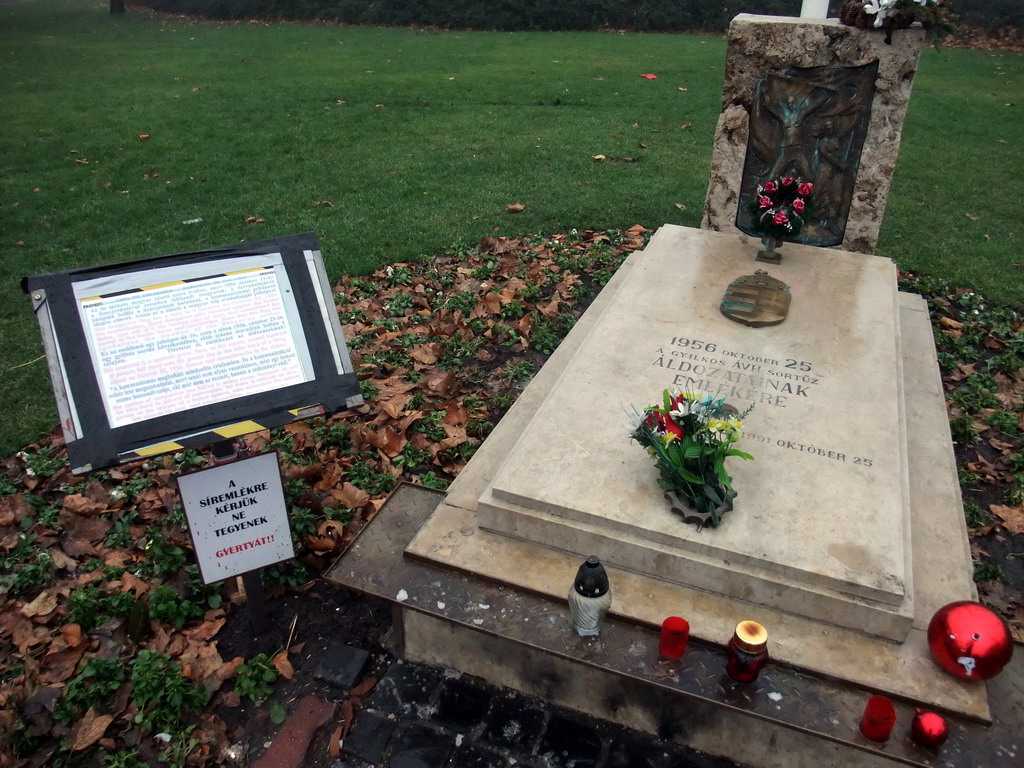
column 392, row 143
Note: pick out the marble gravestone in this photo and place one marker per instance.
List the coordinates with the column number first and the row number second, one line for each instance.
column 853, row 489
column 819, row 526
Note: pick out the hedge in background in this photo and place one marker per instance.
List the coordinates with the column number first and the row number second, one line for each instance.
column 711, row 15
column 660, row 15
column 992, row 15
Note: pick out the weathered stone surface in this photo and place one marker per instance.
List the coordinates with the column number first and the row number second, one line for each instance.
column 762, row 45
column 818, row 527
column 941, row 561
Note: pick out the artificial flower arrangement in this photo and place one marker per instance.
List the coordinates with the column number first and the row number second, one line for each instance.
column 888, row 15
column 690, row 436
column 779, row 207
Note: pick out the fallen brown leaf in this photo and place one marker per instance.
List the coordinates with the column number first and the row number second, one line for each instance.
column 59, row 666
column 1012, row 517
column 88, row 730
column 44, row 603
column 284, row 666
column 80, row 504
column 350, row 496
column 347, row 713
column 229, row 669
column 364, row 687
column 334, row 748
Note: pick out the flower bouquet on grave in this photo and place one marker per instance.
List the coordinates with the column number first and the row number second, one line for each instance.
column 888, row 15
column 690, row 436
column 780, row 206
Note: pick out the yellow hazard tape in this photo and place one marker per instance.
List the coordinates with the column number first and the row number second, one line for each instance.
column 161, row 285
column 153, row 450
column 241, row 428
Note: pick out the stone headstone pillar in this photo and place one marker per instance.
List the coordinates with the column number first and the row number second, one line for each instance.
column 816, row 99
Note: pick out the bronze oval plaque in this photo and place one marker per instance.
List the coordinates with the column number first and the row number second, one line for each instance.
column 756, row 300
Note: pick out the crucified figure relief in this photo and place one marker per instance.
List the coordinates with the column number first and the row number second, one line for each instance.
column 809, row 123
column 793, row 108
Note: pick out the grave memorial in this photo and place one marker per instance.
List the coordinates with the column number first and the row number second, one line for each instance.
column 846, row 537
column 847, row 534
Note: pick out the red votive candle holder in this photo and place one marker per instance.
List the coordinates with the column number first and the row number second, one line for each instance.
column 747, row 652
column 675, row 632
column 879, row 719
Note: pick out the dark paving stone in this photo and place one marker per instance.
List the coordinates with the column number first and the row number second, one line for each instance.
column 369, row 737
column 514, row 722
column 630, row 749
column 470, row 755
column 351, row 761
column 463, row 702
column 570, row 742
column 341, row 666
column 405, row 688
column 418, row 746
column 686, row 757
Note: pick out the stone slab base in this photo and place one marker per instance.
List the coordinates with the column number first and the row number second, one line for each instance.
column 517, row 638
column 694, row 722
column 941, row 559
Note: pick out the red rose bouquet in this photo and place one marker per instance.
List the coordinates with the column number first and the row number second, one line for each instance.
column 780, row 206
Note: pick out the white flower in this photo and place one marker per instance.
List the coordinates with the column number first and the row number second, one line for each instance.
column 633, row 422
column 879, row 9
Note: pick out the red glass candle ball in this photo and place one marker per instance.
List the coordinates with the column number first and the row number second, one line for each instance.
column 969, row 641
column 929, row 729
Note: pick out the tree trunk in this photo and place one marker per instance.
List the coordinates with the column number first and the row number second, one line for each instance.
column 116, row 7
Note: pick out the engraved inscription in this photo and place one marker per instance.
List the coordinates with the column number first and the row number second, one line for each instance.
column 742, row 378
column 703, row 366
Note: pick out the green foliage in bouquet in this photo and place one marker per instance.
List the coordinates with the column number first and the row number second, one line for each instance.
column 689, row 437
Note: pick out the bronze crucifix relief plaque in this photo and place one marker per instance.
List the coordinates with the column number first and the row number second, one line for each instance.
column 811, row 124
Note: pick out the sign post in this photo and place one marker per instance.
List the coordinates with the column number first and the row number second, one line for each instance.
column 164, row 354
column 159, row 355
column 238, row 519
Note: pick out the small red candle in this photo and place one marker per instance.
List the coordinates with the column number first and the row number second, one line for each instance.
column 674, row 634
column 879, row 719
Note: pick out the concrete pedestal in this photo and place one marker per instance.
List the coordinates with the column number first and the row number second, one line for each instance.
column 490, row 599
